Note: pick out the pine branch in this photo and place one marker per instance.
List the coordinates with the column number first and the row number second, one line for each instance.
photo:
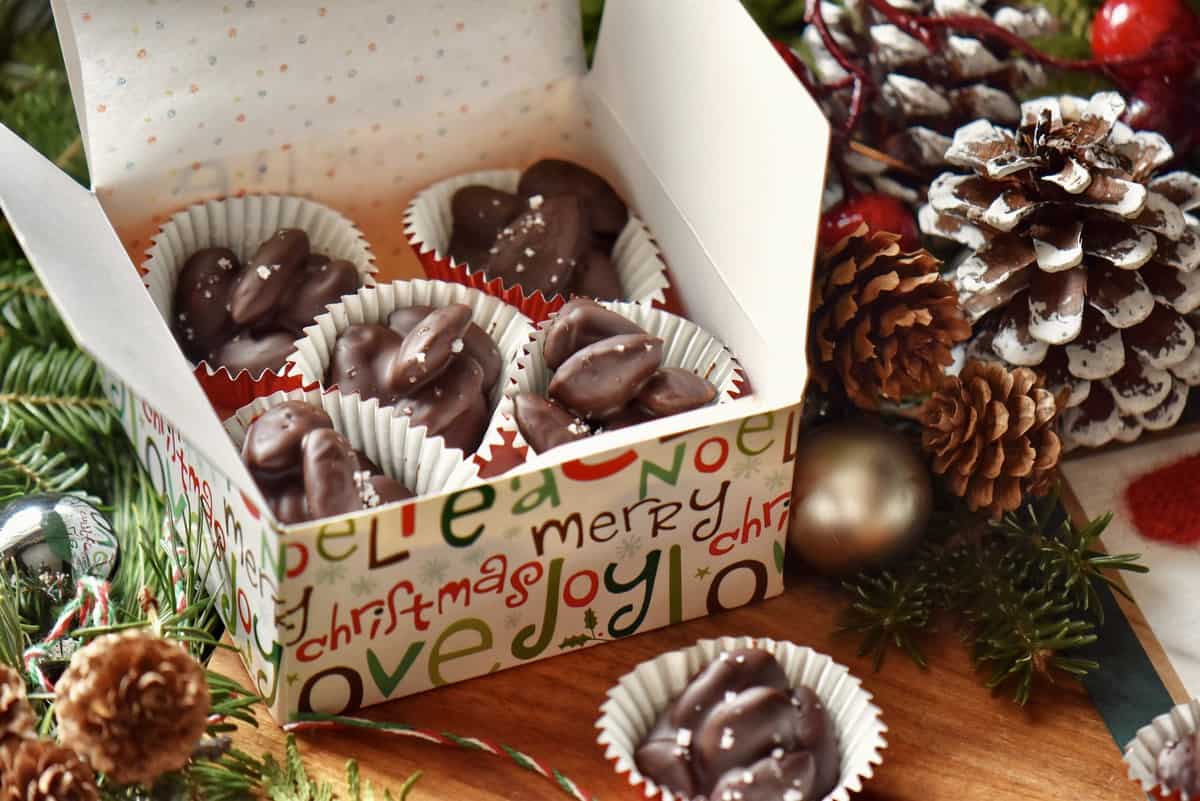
column 28, row 463
column 57, row 390
column 27, row 314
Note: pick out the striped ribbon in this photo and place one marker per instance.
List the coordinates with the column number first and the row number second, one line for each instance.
column 521, row 759
column 89, row 606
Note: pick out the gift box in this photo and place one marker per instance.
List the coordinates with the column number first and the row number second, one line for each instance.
column 357, row 106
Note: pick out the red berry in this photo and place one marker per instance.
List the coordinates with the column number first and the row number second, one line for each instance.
column 1126, row 29
column 1165, row 104
column 879, row 212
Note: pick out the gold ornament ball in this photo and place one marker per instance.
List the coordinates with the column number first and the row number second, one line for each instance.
column 861, row 495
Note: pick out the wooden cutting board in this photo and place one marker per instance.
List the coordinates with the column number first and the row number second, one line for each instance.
column 949, row 738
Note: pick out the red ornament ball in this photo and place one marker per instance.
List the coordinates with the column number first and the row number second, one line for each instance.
column 1166, row 104
column 879, row 212
column 1129, row 29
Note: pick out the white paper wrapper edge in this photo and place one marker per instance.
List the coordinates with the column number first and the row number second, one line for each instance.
column 242, row 224
column 642, row 694
column 428, row 224
column 1141, row 754
column 424, row 464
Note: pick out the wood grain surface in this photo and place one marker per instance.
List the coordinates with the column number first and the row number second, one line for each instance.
column 949, row 737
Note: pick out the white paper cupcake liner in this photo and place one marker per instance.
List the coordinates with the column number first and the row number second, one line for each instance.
column 429, row 223
column 643, row 694
column 424, row 464
column 685, row 345
column 242, row 224
column 1141, row 754
column 507, row 327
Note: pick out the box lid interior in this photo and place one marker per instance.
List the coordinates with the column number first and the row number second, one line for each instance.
column 158, row 85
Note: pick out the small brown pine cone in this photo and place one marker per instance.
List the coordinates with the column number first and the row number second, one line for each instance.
column 42, row 770
column 16, row 715
column 133, row 704
column 883, row 321
column 992, row 435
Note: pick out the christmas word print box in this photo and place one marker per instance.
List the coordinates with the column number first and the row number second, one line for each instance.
column 359, row 105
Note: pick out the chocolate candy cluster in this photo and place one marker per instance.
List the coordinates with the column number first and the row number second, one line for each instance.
column 554, row 236
column 740, row 732
column 247, row 316
column 1178, row 768
column 608, row 374
column 434, row 364
column 308, row 471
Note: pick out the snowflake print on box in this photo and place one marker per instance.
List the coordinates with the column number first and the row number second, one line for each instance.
column 1082, row 260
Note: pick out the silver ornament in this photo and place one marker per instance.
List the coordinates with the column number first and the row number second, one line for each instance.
column 58, row 535
column 861, row 495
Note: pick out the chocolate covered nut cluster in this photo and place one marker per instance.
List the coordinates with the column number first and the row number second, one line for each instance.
column 1178, row 767
column 308, row 471
column 608, row 374
column 740, row 732
column 247, row 316
column 433, row 364
column 554, row 236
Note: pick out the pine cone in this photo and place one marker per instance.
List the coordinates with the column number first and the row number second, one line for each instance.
column 992, row 435
column 1086, row 263
column 16, row 715
column 42, row 770
column 923, row 97
column 884, row 321
column 133, row 704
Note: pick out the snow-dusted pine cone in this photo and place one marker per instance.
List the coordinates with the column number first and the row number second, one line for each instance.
column 42, row 770
column 991, row 434
column 133, row 704
column 923, row 96
column 883, row 321
column 16, row 715
column 1084, row 261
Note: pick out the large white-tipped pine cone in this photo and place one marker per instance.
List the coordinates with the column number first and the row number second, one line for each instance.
column 924, row 96
column 1081, row 260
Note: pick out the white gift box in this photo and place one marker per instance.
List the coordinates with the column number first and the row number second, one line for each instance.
column 687, row 110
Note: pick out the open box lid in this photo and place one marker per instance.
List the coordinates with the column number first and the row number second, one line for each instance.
column 732, row 152
column 159, row 85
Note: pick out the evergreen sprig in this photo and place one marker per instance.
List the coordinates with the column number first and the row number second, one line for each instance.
column 1024, row 589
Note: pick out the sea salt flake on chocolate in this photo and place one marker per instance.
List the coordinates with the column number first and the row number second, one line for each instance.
column 263, row 271
column 726, row 739
column 536, row 201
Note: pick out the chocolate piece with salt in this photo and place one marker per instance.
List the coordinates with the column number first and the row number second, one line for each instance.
column 323, row 282
column 257, row 354
column 673, row 390
column 477, row 343
column 541, row 247
column 329, row 468
column 478, row 212
column 596, row 277
column 780, row 776
column 268, row 276
column 380, row 489
column 452, row 405
column 599, row 380
column 544, row 424
column 555, row 177
column 731, row 672
column 272, row 445
column 405, row 319
column 202, row 320
column 579, row 323
column 359, row 357
column 428, row 349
